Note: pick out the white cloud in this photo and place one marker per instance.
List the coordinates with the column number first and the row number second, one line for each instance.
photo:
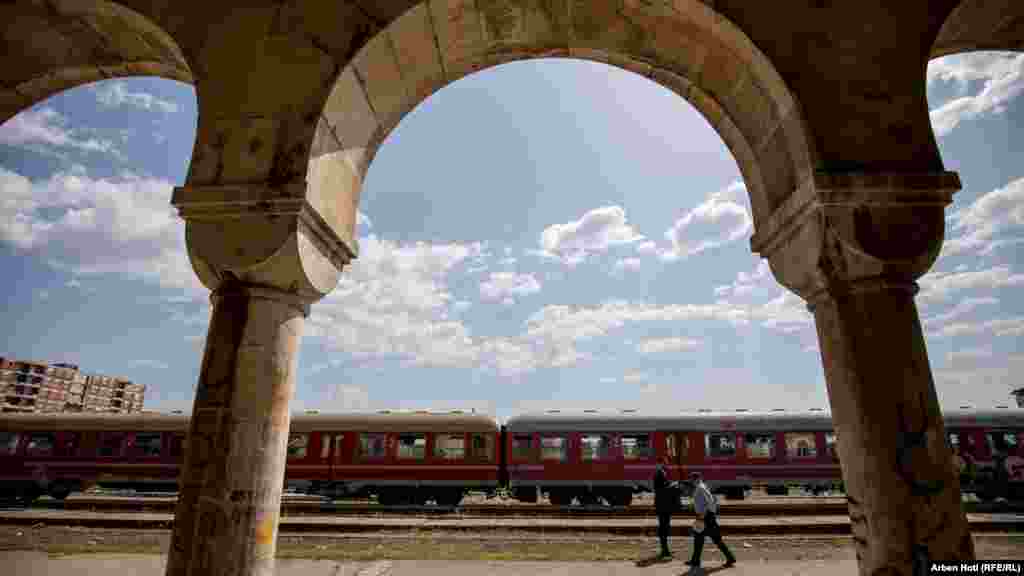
column 595, row 232
column 394, row 301
column 969, row 355
column 1002, row 75
column 1013, row 326
column 980, row 385
column 996, row 213
column 659, row 345
column 746, row 283
column 114, row 95
column 505, row 286
column 634, row 376
column 45, row 127
column 721, row 219
column 123, row 226
column 939, row 286
column 151, row 364
column 647, row 247
column 961, row 308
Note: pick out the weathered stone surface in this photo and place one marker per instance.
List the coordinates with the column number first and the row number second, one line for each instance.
column 415, row 45
column 852, row 246
column 823, row 105
column 349, row 113
column 267, row 236
column 377, row 66
column 226, row 517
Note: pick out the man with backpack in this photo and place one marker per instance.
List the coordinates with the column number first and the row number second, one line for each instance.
column 705, row 505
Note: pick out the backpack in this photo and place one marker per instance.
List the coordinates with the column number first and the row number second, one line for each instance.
column 710, row 501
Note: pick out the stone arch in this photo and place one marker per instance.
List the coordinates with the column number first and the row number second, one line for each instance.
column 684, row 46
column 58, row 45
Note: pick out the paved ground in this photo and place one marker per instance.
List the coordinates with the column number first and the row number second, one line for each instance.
column 31, row 563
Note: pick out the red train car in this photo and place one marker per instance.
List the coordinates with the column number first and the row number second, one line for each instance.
column 56, row 454
column 399, row 457
column 590, row 457
column 402, row 458
column 415, row 458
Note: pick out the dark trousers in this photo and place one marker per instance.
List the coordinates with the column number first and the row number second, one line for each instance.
column 711, row 530
column 664, row 523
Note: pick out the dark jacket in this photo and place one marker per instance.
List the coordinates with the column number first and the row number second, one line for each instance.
column 666, row 494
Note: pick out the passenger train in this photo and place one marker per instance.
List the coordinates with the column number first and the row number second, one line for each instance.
column 401, row 457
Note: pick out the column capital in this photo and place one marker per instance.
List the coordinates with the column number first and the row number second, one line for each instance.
column 857, row 232
column 262, row 236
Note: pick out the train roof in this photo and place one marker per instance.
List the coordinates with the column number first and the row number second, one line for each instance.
column 350, row 421
column 84, row 421
column 597, row 421
column 395, row 422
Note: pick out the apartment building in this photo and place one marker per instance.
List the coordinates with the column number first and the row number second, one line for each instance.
column 29, row 386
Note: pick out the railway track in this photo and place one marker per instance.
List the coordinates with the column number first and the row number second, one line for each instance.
column 308, row 506
column 609, row 524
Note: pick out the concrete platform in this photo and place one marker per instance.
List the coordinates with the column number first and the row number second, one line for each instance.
column 24, row 563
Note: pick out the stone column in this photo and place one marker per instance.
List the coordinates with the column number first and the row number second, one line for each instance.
column 267, row 256
column 853, row 247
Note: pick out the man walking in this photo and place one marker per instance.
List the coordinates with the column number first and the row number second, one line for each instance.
column 666, row 498
column 706, row 507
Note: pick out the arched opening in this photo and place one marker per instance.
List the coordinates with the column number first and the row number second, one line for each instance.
column 689, row 49
column 557, row 233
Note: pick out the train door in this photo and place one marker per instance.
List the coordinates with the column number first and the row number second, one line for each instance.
column 336, row 456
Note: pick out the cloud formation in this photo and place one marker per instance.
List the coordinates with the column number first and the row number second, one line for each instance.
column 1002, row 78
column 594, row 233
column 506, row 286
column 45, row 128
column 660, row 345
column 720, row 219
column 993, row 220
column 89, row 226
column 115, row 95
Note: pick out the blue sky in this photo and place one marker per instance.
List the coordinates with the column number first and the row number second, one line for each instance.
column 544, row 234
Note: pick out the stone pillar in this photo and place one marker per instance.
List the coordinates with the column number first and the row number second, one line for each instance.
column 266, row 256
column 853, row 247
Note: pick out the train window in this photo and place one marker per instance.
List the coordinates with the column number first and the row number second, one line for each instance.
column 177, row 445
column 298, row 445
column 638, row 446
column 553, row 448
column 522, row 446
column 595, row 447
column 759, row 445
column 8, row 442
column 481, row 447
column 1002, row 441
column 720, row 444
column 954, row 441
column 830, row 446
column 69, row 443
column 412, row 446
column 147, row 444
column 110, row 444
column 40, row 444
column 371, row 446
column 800, row 445
column 325, row 446
column 450, row 446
